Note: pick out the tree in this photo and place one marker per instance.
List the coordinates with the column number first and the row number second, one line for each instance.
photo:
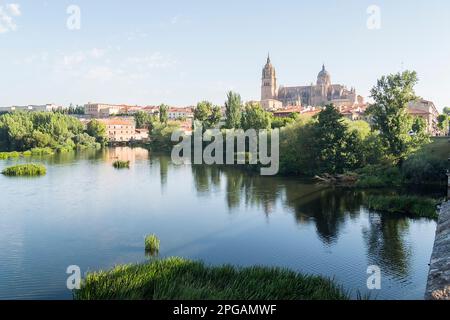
column 337, row 147
column 97, row 130
column 446, row 111
column 443, row 123
column 255, row 117
column 389, row 114
column 233, row 110
column 207, row 114
column 142, row 119
column 163, row 113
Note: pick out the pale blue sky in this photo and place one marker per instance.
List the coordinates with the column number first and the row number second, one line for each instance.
column 180, row 52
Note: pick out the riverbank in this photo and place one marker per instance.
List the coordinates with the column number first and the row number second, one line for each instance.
column 438, row 285
column 177, row 278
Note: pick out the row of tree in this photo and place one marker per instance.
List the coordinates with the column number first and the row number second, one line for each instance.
column 21, row 131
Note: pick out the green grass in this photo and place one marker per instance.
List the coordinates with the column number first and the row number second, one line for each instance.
column 177, row 278
column 120, row 164
column 152, row 244
column 41, row 151
column 25, row 170
column 7, row 155
column 410, row 205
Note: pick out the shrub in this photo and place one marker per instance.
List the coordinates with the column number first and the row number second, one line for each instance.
column 422, row 168
column 378, row 176
column 41, row 151
column 121, row 164
column 7, row 155
column 410, row 205
column 152, row 244
column 25, row 170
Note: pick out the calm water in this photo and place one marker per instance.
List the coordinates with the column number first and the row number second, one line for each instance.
column 86, row 213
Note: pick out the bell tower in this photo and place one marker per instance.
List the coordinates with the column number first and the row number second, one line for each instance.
column 269, row 81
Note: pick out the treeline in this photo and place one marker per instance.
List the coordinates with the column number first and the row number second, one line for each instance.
column 382, row 150
column 21, row 131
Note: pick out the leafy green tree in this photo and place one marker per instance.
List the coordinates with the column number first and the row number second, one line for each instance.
column 233, row 110
column 389, row 114
column 20, row 131
column 443, row 123
column 207, row 114
column 446, row 111
column 255, row 117
column 163, row 113
column 337, row 147
column 142, row 119
column 97, row 130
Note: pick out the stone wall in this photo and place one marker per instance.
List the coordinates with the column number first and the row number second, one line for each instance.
column 438, row 286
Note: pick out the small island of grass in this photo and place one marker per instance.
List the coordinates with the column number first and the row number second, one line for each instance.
column 25, row 170
column 152, row 244
column 121, row 164
column 177, row 278
column 419, row 207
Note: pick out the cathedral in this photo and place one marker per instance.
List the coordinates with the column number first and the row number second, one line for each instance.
column 320, row 94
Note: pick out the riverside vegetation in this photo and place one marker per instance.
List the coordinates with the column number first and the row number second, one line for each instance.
column 121, row 164
column 43, row 132
column 177, row 278
column 394, row 150
column 25, row 170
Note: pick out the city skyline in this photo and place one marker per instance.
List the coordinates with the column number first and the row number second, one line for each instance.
column 179, row 53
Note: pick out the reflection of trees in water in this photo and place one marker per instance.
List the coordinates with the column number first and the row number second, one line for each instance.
column 386, row 245
column 163, row 169
column 206, row 178
column 327, row 208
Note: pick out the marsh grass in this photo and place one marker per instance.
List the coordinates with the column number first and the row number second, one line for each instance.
column 177, row 278
column 152, row 245
column 121, row 164
column 7, row 155
column 410, row 205
column 25, row 170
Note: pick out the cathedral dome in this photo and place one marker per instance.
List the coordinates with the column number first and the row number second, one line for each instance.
column 323, row 78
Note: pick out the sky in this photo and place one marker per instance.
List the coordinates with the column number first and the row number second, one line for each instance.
column 146, row 52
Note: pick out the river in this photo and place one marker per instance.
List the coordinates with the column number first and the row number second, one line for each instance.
column 86, row 213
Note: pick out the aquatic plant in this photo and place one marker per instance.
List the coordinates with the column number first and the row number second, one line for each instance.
column 121, row 164
column 25, row 170
column 152, row 244
column 180, row 279
column 411, row 205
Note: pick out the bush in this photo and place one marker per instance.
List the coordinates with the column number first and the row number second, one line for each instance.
column 120, row 164
column 7, row 155
column 378, row 176
column 25, row 170
column 152, row 244
column 410, row 205
column 180, row 279
column 41, row 151
column 421, row 168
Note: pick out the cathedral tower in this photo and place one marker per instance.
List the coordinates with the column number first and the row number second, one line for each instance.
column 269, row 81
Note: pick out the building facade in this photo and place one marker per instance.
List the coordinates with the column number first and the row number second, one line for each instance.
column 101, row 110
column 320, row 94
column 119, row 130
column 426, row 110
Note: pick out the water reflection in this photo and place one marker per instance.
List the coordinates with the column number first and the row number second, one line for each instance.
column 386, row 244
column 98, row 215
column 327, row 208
